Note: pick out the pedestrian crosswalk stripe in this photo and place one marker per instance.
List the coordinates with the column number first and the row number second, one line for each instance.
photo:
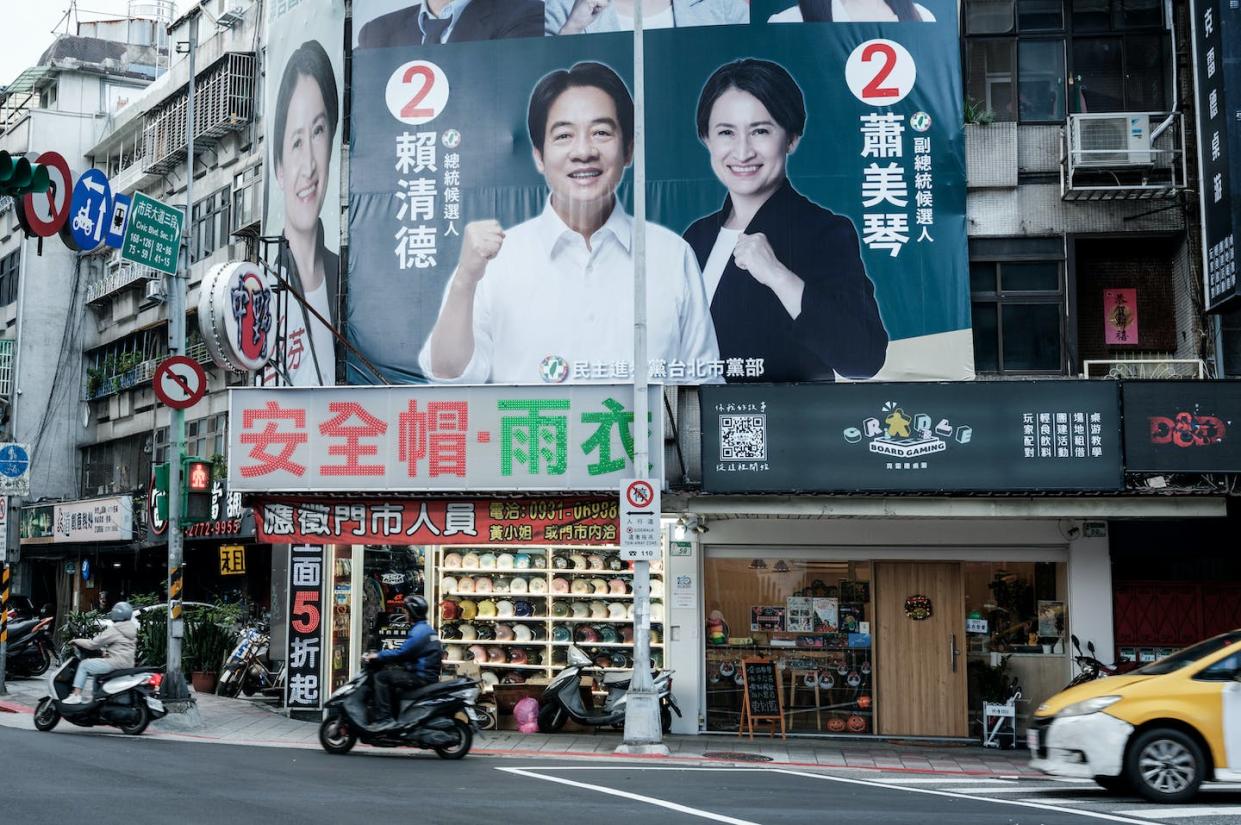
column 941, row 780
column 1183, row 813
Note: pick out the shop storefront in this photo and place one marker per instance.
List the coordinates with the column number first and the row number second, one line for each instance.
column 1167, row 600
column 512, row 583
column 872, row 640
column 852, row 536
column 81, row 554
column 224, row 561
column 497, row 504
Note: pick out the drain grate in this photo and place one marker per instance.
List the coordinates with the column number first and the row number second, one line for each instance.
column 736, row 756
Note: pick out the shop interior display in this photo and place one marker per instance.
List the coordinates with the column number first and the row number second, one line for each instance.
column 514, row 611
column 813, row 620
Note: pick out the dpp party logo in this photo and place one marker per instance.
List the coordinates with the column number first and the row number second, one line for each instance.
column 907, row 439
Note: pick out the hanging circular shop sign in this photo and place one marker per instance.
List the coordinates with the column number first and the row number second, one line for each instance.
column 236, row 315
column 918, row 607
column 45, row 213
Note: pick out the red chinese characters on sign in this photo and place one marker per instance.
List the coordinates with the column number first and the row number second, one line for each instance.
column 1187, row 430
column 437, row 435
column 436, row 521
column 352, row 450
column 273, row 435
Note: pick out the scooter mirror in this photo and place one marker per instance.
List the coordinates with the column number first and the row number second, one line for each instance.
column 1090, row 647
column 1076, row 644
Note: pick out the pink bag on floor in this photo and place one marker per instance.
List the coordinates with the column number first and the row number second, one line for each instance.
column 526, row 711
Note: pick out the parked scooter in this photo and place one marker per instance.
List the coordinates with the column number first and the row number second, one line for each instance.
column 1089, row 666
column 247, row 669
column 429, row 717
column 562, row 699
column 30, row 647
column 127, row 698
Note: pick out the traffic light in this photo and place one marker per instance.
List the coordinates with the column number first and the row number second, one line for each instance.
column 195, row 490
column 19, row 177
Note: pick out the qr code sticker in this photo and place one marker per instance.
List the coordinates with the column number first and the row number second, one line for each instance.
column 743, row 438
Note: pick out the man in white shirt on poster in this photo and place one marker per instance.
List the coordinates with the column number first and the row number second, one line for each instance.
column 561, row 284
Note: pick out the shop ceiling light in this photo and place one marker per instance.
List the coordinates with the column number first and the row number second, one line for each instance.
column 781, row 567
column 758, row 564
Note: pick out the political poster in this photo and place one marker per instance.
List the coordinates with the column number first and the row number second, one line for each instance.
column 805, row 192
column 302, row 95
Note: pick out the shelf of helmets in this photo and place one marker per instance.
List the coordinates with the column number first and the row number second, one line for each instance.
column 522, row 607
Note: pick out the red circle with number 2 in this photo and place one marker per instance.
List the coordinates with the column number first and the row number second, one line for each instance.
column 880, row 72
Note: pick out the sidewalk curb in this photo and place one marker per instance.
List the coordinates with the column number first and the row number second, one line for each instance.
column 14, row 707
column 527, row 753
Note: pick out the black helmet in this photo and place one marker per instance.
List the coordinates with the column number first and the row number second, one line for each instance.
column 417, row 607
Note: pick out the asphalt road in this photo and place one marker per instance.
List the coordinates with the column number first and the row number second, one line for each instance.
column 75, row 775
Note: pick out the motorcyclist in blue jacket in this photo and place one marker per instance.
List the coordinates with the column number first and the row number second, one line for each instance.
column 419, row 657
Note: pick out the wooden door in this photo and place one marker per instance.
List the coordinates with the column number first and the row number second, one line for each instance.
column 920, row 668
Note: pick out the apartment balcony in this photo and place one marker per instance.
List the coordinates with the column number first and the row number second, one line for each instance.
column 1158, row 368
column 1122, row 156
column 118, row 276
column 223, row 103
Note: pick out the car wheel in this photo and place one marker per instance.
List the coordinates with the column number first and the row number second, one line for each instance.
column 1117, row 785
column 1165, row 765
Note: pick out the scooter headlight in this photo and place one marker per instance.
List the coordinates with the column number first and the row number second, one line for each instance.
column 1088, row 706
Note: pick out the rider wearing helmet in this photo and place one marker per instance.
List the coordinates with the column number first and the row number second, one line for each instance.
column 419, row 658
column 117, row 642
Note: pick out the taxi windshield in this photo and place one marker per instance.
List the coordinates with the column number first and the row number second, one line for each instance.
column 1189, row 655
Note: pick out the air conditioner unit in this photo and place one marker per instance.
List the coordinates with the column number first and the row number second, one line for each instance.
column 1122, row 139
column 155, row 291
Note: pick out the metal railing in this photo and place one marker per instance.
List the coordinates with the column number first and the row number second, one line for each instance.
column 1146, row 161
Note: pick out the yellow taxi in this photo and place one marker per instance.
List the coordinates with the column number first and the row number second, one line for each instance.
column 1161, row 730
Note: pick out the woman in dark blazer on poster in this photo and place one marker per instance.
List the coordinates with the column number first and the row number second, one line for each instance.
column 784, row 275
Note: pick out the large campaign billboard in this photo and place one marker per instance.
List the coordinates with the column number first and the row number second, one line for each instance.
column 302, row 94
column 805, row 191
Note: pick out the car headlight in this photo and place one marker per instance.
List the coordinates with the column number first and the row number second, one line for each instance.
column 1087, row 706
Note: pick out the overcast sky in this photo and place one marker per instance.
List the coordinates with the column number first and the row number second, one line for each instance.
column 29, row 26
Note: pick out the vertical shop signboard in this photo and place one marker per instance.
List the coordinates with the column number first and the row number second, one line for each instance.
column 303, row 690
column 1216, row 30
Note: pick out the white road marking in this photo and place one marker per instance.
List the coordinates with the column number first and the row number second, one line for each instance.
column 650, row 800
column 1179, row 813
column 1059, row 801
column 970, row 789
column 940, row 780
column 951, row 795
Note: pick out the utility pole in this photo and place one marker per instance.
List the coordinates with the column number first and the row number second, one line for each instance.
column 174, row 689
column 643, row 732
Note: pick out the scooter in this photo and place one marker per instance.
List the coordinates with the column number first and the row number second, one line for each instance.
column 1089, row 667
column 562, row 699
column 30, row 647
column 127, row 698
column 245, row 670
column 429, row 717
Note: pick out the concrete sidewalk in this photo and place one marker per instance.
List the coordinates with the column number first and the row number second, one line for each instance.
column 255, row 723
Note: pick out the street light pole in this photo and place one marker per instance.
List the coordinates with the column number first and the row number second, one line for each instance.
column 174, row 689
column 643, row 733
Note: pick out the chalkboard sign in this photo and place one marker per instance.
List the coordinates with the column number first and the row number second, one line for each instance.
column 762, row 701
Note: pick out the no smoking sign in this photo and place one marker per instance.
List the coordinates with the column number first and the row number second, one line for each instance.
column 639, row 506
